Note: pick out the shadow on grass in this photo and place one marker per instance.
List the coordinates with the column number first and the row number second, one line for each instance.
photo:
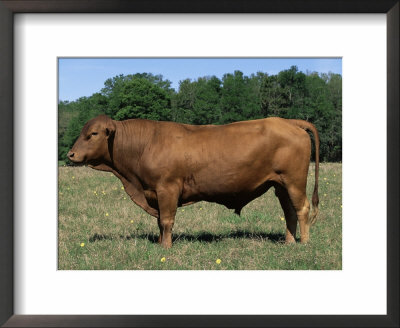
column 98, row 237
column 202, row 237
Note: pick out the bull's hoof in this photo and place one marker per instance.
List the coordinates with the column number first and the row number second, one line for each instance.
column 166, row 245
column 305, row 239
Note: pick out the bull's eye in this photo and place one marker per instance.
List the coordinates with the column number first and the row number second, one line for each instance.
column 92, row 134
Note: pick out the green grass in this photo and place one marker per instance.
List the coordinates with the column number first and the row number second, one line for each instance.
column 125, row 239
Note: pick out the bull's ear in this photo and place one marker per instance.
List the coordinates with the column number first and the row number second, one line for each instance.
column 110, row 128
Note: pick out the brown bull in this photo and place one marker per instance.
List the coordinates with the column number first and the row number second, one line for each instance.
column 164, row 165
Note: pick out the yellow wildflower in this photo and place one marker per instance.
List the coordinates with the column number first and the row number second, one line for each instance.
column 218, row 261
column 163, row 259
column 82, row 244
column 131, row 221
column 282, row 219
column 106, row 214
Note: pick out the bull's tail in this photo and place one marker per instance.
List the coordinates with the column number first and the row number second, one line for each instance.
column 315, row 199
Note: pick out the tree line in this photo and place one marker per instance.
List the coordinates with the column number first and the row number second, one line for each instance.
column 313, row 97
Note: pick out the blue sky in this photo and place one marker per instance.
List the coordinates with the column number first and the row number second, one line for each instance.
column 80, row 77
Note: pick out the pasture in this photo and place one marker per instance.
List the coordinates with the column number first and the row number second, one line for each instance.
column 100, row 228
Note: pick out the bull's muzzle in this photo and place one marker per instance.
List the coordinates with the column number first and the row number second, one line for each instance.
column 71, row 155
column 75, row 157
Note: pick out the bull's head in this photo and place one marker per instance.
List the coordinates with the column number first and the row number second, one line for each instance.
column 93, row 145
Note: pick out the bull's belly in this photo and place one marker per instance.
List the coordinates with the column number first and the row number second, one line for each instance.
column 232, row 191
column 234, row 194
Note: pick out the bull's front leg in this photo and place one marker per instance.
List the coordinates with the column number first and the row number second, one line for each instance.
column 167, row 198
column 161, row 230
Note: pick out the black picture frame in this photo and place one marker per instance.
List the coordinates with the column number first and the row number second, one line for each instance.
column 7, row 10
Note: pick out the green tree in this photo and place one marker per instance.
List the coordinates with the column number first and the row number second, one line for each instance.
column 321, row 112
column 184, row 102
column 117, row 91
column 197, row 102
column 139, row 98
column 206, row 106
column 273, row 99
column 239, row 99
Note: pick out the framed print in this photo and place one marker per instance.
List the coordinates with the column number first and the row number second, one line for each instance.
column 37, row 291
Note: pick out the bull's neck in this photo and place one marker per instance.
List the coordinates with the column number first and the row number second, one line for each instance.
column 130, row 140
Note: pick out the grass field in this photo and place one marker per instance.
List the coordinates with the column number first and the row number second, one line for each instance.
column 99, row 227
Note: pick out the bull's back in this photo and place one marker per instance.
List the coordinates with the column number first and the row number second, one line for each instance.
column 243, row 144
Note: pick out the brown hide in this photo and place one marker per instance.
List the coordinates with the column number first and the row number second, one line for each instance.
column 163, row 165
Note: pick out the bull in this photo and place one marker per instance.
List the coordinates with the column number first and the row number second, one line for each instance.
column 166, row 165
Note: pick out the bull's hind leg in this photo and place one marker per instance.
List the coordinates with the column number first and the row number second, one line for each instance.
column 290, row 213
column 167, row 203
column 302, row 207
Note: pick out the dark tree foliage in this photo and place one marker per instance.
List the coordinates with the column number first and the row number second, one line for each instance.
column 138, row 96
column 239, row 98
column 313, row 97
column 198, row 102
